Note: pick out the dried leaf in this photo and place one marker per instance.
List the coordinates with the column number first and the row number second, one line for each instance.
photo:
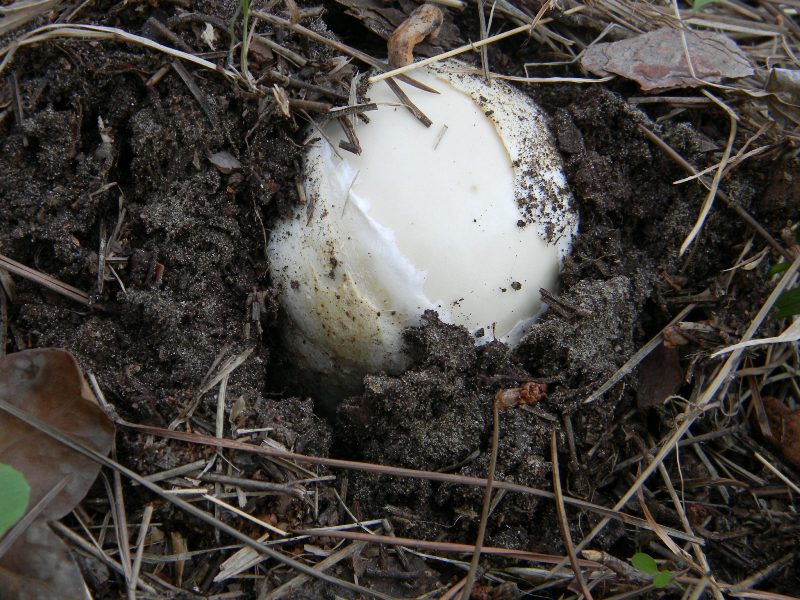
column 384, row 19
column 47, row 384
column 657, row 60
column 784, row 98
column 785, row 426
column 658, row 377
column 39, row 566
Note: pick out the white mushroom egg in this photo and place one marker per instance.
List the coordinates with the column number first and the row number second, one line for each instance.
column 469, row 217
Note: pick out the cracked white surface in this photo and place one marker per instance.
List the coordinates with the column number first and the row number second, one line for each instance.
column 469, row 217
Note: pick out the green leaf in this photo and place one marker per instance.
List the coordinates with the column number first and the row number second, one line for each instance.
column 698, row 4
column 788, row 303
column 661, row 579
column 645, row 562
column 14, row 495
column 775, row 269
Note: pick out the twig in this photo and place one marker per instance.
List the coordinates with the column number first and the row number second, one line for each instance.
column 253, row 484
column 169, row 35
column 406, row 101
column 487, row 501
column 196, row 92
column 444, row 546
column 300, row 61
column 343, row 48
column 323, row 565
column 562, row 520
column 140, row 543
column 396, row 472
column 50, row 283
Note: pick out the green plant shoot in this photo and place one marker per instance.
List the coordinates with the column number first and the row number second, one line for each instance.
column 647, row 564
column 698, row 4
column 14, row 497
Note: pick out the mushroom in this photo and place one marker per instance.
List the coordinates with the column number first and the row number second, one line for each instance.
column 470, row 218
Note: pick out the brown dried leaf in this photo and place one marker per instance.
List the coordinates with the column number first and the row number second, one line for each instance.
column 784, row 100
column 47, row 384
column 659, row 376
column 657, row 60
column 384, row 19
column 785, row 426
column 39, row 566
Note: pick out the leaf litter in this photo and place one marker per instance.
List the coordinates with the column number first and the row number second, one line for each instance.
column 47, row 384
column 670, row 58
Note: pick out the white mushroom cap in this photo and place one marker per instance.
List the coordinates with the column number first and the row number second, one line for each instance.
column 469, row 217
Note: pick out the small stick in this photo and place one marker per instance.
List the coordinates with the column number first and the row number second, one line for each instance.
column 638, row 357
column 169, row 35
column 198, row 95
column 420, row 116
column 562, row 520
column 487, row 501
column 252, row 484
column 285, row 456
column 300, row 61
column 50, row 283
column 304, row 85
column 311, row 106
column 563, row 307
column 346, row 111
column 352, row 145
column 143, row 527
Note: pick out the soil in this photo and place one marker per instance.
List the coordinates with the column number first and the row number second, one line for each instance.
column 96, row 145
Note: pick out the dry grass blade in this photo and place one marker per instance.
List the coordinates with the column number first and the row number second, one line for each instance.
column 562, row 519
column 446, row 546
column 140, row 543
column 16, row 14
column 183, row 505
column 789, row 335
column 323, row 565
column 777, row 473
column 399, row 472
column 487, row 502
column 712, row 193
column 51, row 283
column 102, row 32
